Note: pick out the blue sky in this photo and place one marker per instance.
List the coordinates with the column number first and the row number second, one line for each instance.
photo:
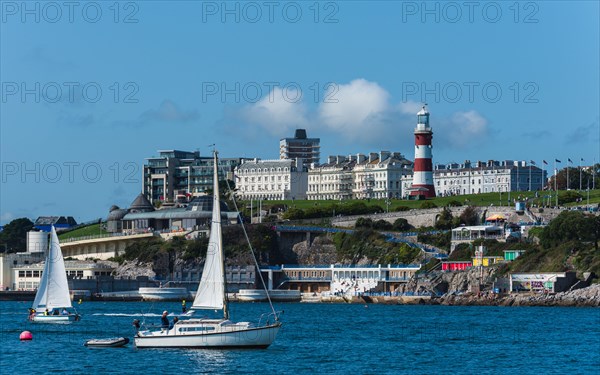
column 89, row 90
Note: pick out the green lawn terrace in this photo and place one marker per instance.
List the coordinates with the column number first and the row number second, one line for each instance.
column 87, row 231
column 505, row 199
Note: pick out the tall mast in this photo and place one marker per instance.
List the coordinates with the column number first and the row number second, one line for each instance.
column 217, row 216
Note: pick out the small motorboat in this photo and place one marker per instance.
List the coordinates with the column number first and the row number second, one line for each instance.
column 108, row 343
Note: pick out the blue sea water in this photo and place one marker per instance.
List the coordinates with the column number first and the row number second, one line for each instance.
column 323, row 338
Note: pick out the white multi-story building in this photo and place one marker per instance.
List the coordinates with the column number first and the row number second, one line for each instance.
column 380, row 175
column 271, row 179
column 377, row 175
column 332, row 180
column 301, row 147
column 485, row 177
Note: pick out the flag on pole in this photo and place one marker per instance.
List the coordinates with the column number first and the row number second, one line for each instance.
column 581, row 159
column 532, row 162
column 545, row 162
column 570, row 161
column 558, row 161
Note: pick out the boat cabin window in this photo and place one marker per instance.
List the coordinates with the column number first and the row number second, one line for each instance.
column 196, row 329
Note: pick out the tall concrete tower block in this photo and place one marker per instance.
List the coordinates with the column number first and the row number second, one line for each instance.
column 423, row 170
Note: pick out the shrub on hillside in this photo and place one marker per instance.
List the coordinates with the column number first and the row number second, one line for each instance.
column 363, row 222
column 382, row 225
column 401, row 225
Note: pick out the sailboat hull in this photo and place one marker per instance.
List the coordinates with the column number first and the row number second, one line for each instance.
column 54, row 318
column 243, row 338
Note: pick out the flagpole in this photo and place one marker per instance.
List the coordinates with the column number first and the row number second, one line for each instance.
column 594, row 175
column 580, row 160
column 555, row 178
column 568, row 174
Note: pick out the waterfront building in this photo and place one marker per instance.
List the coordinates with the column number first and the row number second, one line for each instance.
column 422, row 178
column 510, row 255
column 27, row 277
column 142, row 217
column 458, row 265
column 468, row 234
column 178, row 176
column 271, row 179
column 8, row 261
column 486, row 261
column 301, row 147
column 348, row 280
column 553, row 282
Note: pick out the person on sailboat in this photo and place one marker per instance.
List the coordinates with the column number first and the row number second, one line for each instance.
column 164, row 320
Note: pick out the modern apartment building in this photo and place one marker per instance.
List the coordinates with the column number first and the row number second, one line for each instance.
column 271, row 179
column 307, row 149
column 485, row 177
column 177, row 176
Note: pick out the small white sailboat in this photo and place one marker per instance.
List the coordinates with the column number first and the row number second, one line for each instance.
column 52, row 302
column 211, row 295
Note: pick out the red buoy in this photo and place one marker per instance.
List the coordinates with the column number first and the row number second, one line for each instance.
column 25, row 335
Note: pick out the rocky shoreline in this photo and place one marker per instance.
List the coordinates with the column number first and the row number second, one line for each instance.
column 584, row 297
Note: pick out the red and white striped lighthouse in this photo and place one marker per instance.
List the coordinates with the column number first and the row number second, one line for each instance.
column 423, row 170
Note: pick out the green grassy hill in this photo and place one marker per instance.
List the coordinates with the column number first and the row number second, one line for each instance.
column 90, row 230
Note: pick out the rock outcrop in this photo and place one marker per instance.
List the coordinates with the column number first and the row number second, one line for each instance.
column 321, row 251
column 584, row 297
column 133, row 269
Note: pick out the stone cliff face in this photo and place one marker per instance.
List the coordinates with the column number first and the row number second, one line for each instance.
column 133, row 269
column 321, row 251
column 442, row 282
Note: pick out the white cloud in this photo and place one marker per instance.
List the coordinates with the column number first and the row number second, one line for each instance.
column 410, row 107
column 357, row 116
column 462, row 130
column 278, row 113
column 352, row 107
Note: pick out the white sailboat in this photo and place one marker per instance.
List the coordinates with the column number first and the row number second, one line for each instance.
column 211, row 295
column 52, row 302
